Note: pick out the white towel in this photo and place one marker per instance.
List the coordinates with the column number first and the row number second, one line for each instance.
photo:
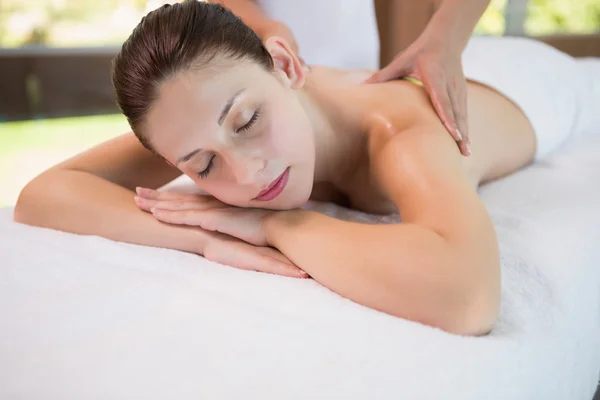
column 88, row 318
column 559, row 94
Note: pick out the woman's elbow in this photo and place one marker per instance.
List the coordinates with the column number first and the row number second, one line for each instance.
column 26, row 210
column 481, row 321
column 467, row 307
column 31, row 207
column 476, row 289
column 478, row 313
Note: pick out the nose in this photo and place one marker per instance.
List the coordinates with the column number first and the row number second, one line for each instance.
column 246, row 170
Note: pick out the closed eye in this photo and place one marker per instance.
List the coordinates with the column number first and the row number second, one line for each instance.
column 251, row 122
column 203, row 174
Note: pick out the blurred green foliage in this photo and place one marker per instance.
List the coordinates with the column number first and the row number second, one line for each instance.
column 546, row 17
column 109, row 22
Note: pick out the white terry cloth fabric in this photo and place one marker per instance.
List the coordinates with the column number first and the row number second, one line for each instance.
column 335, row 33
column 83, row 317
column 560, row 95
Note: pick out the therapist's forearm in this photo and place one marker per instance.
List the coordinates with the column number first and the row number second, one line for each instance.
column 248, row 10
column 455, row 20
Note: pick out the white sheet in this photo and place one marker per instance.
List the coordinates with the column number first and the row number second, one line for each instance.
column 88, row 318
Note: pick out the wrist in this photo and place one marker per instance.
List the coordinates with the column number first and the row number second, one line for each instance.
column 437, row 38
column 277, row 222
column 189, row 239
column 454, row 21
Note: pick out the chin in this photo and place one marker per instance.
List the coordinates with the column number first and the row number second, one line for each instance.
column 301, row 193
column 287, row 201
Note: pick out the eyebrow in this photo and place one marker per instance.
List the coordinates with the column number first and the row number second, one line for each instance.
column 224, row 113
column 228, row 106
column 187, row 157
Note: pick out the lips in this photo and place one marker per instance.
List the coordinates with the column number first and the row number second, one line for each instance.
column 275, row 187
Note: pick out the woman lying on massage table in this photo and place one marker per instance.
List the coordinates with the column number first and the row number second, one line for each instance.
column 262, row 135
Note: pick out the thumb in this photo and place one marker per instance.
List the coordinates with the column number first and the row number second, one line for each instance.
column 394, row 70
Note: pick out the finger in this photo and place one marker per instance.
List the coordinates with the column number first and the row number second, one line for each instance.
column 458, row 97
column 273, row 253
column 224, row 220
column 178, row 205
column 244, row 256
column 215, row 220
column 156, row 195
column 143, row 203
column 438, row 92
column 395, row 69
column 183, row 217
column 276, row 255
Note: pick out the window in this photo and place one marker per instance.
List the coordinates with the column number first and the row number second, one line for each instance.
column 70, row 23
column 540, row 18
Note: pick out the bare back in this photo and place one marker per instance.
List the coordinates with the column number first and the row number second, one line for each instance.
column 502, row 138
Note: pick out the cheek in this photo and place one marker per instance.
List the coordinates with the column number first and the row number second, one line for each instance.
column 225, row 191
column 288, row 132
column 280, row 138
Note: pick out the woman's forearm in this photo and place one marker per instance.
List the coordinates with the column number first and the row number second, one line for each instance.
column 404, row 270
column 455, row 20
column 79, row 202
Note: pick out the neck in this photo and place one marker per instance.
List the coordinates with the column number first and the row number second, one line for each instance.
column 339, row 143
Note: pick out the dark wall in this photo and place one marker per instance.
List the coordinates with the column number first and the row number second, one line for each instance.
column 55, row 83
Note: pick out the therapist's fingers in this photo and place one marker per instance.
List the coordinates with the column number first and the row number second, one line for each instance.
column 457, row 90
column 398, row 68
column 436, row 87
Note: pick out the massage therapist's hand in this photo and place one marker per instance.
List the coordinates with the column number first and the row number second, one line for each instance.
column 233, row 238
column 438, row 66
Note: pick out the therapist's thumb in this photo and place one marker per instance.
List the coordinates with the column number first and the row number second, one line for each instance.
column 394, row 70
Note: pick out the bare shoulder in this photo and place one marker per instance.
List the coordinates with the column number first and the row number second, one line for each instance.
column 407, row 132
column 418, row 166
column 502, row 140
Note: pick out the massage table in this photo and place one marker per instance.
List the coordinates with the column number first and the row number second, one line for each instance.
column 83, row 317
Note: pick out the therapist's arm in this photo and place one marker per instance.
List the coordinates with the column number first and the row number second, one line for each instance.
column 248, row 10
column 455, row 20
column 435, row 59
column 252, row 14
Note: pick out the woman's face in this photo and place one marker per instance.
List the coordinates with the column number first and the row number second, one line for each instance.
column 239, row 132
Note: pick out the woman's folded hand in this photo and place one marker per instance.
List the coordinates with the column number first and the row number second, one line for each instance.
column 235, row 235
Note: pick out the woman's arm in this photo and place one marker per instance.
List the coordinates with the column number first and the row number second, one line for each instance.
column 440, row 266
column 93, row 194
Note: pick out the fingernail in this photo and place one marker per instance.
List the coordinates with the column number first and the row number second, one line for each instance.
column 459, row 135
column 468, row 149
column 138, row 190
column 153, row 210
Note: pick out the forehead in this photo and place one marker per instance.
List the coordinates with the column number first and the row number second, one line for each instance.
column 193, row 99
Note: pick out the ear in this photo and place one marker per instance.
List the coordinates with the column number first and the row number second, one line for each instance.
column 288, row 67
